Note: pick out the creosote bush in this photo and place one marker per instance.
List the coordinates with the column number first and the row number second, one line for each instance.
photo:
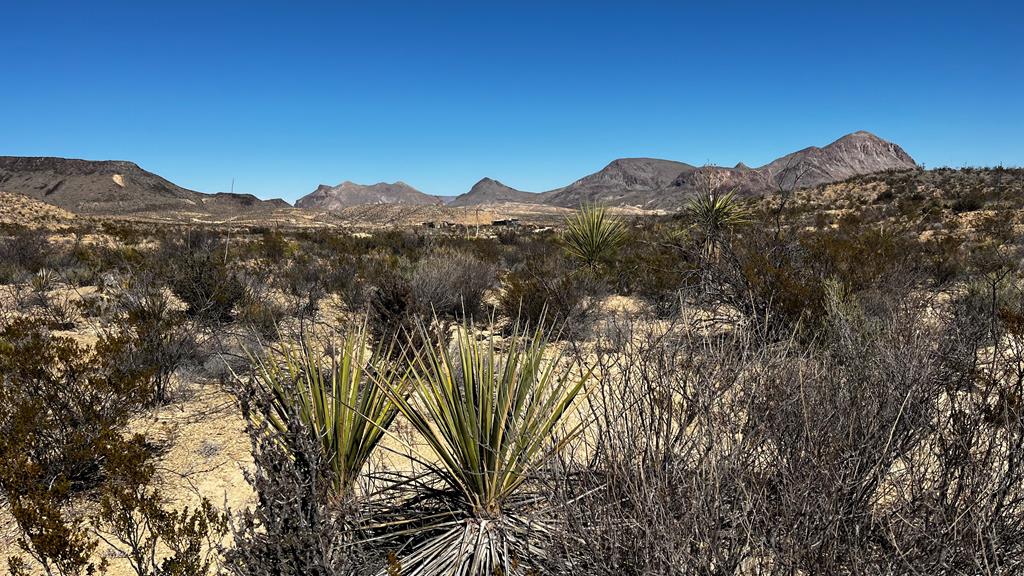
column 548, row 292
column 197, row 270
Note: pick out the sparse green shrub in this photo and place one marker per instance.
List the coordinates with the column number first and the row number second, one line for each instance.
column 548, row 292
column 342, row 278
column 393, row 311
column 970, row 202
column 262, row 316
column 304, row 282
column 159, row 339
column 62, row 411
column 274, row 246
column 196, row 270
column 133, row 519
column 656, row 267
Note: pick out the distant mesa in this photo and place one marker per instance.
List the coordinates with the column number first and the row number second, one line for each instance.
column 113, row 187
column 349, row 194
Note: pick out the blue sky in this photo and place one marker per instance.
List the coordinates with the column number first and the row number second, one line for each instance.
column 282, row 96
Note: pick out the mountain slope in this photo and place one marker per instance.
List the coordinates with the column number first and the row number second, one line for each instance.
column 112, row 187
column 490, row 191
column 623, row 182
column 852, row 155
column 351, row 194
column 664, row 184
column 855, row 154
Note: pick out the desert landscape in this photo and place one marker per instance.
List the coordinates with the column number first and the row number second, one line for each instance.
column 511, row 289
column 761, row 380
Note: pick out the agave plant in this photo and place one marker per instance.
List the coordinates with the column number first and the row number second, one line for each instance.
column 591, row 235
column 329, row 389
column 491, row 419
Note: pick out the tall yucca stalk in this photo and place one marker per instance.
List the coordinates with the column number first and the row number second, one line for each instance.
column 592, row 235
column 491, row 418
column 336, row 391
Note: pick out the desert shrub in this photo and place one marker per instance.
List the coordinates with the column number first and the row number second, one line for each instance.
column 274, row 246
column 60, row 312
column 62, row 402
column 858, row 257
column 663, row 491
column 160, row 341
column 304, row 282
column 393, row 312
column 865, row 450
column 655, row 268
column 878, row 383
column 27, row 249
column 764, row 279
column 295, row 527
column 943, row 260
column 970, row 202
column 261, row 315
column 451, row 283
column 62, row 411
column 341, row 277
column 196, row 270
column 133, row 520
column 548, row 292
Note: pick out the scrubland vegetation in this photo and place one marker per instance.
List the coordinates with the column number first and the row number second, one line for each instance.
column 820, row 382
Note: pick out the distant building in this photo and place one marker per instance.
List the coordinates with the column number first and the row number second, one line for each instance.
column 506, row 222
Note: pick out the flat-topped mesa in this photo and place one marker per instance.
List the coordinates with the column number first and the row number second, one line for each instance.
column 351, row 194
column 113, row 187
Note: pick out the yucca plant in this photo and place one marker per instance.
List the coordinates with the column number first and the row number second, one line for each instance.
column 591, row 235
column 491, row 419
column 715, row 214
column 336, row 391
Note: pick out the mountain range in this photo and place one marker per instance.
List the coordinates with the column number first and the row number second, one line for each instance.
column 666, row 184
column 118, row 187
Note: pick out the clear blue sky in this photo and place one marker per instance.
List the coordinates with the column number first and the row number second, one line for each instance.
column 283, row 96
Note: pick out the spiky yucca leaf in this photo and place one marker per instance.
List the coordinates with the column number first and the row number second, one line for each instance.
column 592, row 235
column 329, row 388
column 491, row 417
column 717, row 212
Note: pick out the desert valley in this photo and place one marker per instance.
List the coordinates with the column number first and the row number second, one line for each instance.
column 512, row 288
column 658, row 367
